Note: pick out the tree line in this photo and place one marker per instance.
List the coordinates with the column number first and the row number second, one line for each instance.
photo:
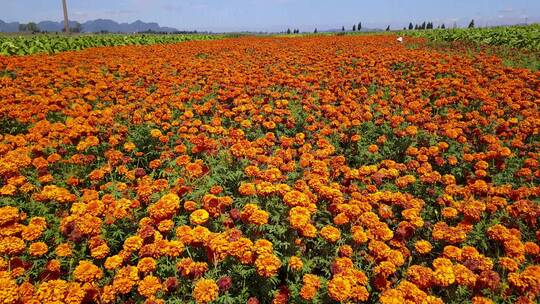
column 424, row 26
column 32, row 27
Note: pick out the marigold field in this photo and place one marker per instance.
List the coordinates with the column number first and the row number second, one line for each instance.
column 320, row 169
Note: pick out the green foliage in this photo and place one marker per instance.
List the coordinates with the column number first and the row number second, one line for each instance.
column 31, row 44
column 527, row 37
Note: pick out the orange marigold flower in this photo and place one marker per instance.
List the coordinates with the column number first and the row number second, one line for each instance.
column 133, row 243
column 125, row 279
column 330, row 233
column 99, row 252
column 247, row 189
column 190, row 205
column 86, row 271
column 11, row 245
column 165, row 208
column 263, row 246
column 310, row 286
column 63, row 250
column 444, row 276
column 9, row 292
column 205, row 291
column 38, row 249
column 423, row 246
column 295, row 263
column 481, row 300
column 53, row 265
column 146, row 264
column 267, row 265
column 373, row 148
column 296, row 198
column 8, row 214
column 149, row 286
column 113, row 262
column 258, row 217
column 339, row 288
column 359, row 236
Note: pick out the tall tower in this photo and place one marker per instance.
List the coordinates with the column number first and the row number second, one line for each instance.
column 66, row 21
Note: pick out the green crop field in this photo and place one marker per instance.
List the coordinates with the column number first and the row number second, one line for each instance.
column 527, row 37
column 42, row 43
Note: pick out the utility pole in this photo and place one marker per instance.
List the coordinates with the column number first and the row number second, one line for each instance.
column 66, row 21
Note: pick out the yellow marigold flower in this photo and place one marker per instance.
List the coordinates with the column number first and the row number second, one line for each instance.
column 339, row 288
column 133, row 243
column 295, row 263
column 11, row 245
column 423, row 246
column 149, row 286
column 259, row 217
column 86, row 271
column 199, row 217
column 113, row 262
column 263, row 246
column 247, row 189
column 8, row 214
column 9, row 292
column 205, row 291
column 38, row 249
column 444, row 276
column 267, row 265
column 331, row 234
column 155, row 133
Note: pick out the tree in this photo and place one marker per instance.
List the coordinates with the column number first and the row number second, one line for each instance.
column 343, row 28
column 423, row 26
column 471, row 25
column 77, row 28
column 388, row 28
column 416, row 27
column 32, row 27
column 354, row 28
column 29, row 27
column 359, row 26
column 288, row 31
column 410, row 26
column 315, row 31
column 443, row 26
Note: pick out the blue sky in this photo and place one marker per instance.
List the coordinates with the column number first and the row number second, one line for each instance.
column 276, row 15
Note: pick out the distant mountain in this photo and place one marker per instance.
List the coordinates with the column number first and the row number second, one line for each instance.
column 9, row 27
column 91, row 26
